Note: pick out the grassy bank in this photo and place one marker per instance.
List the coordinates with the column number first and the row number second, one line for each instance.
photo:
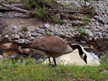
column 30, row 71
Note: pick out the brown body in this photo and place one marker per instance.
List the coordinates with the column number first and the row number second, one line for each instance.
column 51, row 46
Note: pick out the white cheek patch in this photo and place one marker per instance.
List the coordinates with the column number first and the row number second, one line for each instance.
column 82, row 56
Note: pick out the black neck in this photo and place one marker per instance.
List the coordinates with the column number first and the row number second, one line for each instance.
column 77, row 47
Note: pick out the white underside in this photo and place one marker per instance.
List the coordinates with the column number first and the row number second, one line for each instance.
column 39, row 51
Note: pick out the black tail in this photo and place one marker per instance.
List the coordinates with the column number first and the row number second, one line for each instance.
column 25, row 45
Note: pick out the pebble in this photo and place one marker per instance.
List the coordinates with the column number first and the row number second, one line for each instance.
column 14, row 27
column 47, row 26
column 94, row 27
column 32, row 38
column 16, row 36
column 21, row 41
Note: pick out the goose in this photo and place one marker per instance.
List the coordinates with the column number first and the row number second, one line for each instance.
column 54, row 47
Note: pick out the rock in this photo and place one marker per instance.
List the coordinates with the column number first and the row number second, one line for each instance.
column 14, row 27
column 83, row 42
column 107, row 35
column 32, row 38
column 22, row 22
column 38, row 29
column 87, row 27
column 26, row 50
column 74, row 58
column 21, row 35
column 56, row 33
column 76, row 23
column 47, row 26
column 92, row 20
column 90, row 38
column 6, row 45
column 21, row 41
column 28, row 34
column 2, row 24
column 10, row 54
column 87, row 31
column 99, row 19
column 16, row 36
column 34, row 34
column 27, row 41
column 57, row 16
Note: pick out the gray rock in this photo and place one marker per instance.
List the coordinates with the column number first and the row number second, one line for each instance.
column 92, row 20
column 47, row 26
column 97, row 30
column 14, row 27
column 38, row 29
column 22, row 22
column 21, row 41
column 2, row 24
column 56, row 33
column 88, row 27
column 57, row 16
column 76, row 23
column 27, row 41
column 46, row 30
column 104, row 33
column 16, row 36
column 1, row 14
column 83, row 42
column 32, row 38
column 87, row 31
column 99, row 18
column 107, row 35
column 21, row 35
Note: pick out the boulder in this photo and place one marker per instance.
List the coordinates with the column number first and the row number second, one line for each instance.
column 74, row 58
column 8, row 45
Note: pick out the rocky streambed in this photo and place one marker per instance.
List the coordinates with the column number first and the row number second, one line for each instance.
column 95, row 48
column 90, row 32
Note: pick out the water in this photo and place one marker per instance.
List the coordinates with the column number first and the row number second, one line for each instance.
column 99, row 48
column 95, row 56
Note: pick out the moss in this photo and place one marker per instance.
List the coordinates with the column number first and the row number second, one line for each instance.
column 24, row 28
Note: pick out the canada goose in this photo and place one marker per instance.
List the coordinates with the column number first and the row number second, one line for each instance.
column 53, row 47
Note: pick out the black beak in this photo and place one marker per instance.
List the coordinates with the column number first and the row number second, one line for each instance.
column 85, row 59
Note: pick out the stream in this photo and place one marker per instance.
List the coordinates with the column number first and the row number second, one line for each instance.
column 95, row 48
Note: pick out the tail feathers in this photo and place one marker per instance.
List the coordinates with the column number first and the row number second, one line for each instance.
column 25, row 45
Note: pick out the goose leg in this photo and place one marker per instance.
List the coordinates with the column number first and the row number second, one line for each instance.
column 49, row 60
column 55, row 61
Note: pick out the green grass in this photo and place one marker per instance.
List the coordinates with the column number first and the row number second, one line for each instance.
column 30, row 71
column 24, row 28
column 47, row 35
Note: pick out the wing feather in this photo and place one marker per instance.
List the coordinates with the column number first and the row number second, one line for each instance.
column 51, row 44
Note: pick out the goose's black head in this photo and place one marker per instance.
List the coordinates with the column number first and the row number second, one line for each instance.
column 81, row 53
